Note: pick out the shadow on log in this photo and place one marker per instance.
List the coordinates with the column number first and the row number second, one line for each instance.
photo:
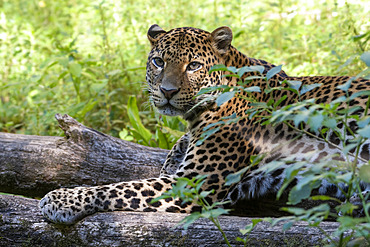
column 34, row 165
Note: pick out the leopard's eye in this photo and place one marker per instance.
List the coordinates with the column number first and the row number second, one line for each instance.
column 194, row 66
column 158, row 62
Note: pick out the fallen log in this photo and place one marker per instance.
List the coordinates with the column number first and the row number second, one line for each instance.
column 21, row 224
column 34, row 165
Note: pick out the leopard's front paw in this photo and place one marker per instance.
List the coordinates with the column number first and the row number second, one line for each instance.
column 66, row 206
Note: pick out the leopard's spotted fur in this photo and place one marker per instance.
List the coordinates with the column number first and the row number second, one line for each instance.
column 177, row 69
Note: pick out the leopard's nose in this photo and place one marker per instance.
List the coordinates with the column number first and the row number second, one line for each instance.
column 169, row 93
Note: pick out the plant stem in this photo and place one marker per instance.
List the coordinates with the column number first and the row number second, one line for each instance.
column 217, row 224
column 363, row 202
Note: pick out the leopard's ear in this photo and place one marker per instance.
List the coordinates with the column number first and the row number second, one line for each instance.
column 221, row 39
column 153, row 33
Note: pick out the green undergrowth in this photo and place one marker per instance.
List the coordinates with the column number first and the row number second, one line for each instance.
column 87, row 58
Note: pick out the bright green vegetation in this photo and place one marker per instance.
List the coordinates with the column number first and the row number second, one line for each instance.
column 86, row 58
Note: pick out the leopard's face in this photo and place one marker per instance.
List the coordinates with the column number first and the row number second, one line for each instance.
column 178, row 65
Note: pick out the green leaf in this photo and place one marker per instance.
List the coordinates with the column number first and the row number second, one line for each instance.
column 163, row 196
column 182, row 182
column 239, row 239
column 340, row 100
column 315, row 122
column 252, row 89
column 273, row 72
column 231, row 75
column 325, row 198
column 87, row 107
column 62, row 75
column 207, row 90
column 161, row 139
column 295, row 211
column 359, row 94
column 218, row 211
column 278, row 102
column 188, row 220
column 75, row 69
column 330, row 122
column 363, row 122
column 206, row 134
column 346, row 85
column 207, row 127
column 288, row 225
column 175, row 133
column 366, row 58
column 256, row 221
column 249, row 78
column 224, row 97
column 125, row 136
column 247, row 69
column 275, row 221
column 364, row 132
column 248, row 228
column 301, row 117
column 133, row 114
column 210, row 132
column 235, row 177
column 258, row 68
column 349, row 222
column 232, row 116
column 204, row 194
column 307, row 88
column 294, row 84
column 297, row 195
column 232, row 70
column 214, row 88
column 218, row 67
column 360, row 36
column 346, row 208
column 365, row 173
column 348, row 148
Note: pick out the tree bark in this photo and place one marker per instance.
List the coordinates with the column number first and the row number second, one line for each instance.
column 34, row 165
column 21, row 224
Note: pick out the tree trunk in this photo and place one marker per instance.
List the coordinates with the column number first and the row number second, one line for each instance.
column 21, row 224
column 35, row 165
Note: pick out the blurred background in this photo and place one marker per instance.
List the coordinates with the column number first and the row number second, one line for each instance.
column 87, row 58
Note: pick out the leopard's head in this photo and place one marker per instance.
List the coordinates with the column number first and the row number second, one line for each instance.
column 178, row 65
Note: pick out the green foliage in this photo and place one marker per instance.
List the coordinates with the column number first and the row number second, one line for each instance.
column 189, row 191
column 167, row 131
column 138, row 130
column 86, row 58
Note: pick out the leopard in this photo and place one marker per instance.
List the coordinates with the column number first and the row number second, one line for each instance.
column 177, row 69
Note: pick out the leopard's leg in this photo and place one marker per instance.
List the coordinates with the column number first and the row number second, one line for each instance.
column 176, row 156
column 69, row 205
